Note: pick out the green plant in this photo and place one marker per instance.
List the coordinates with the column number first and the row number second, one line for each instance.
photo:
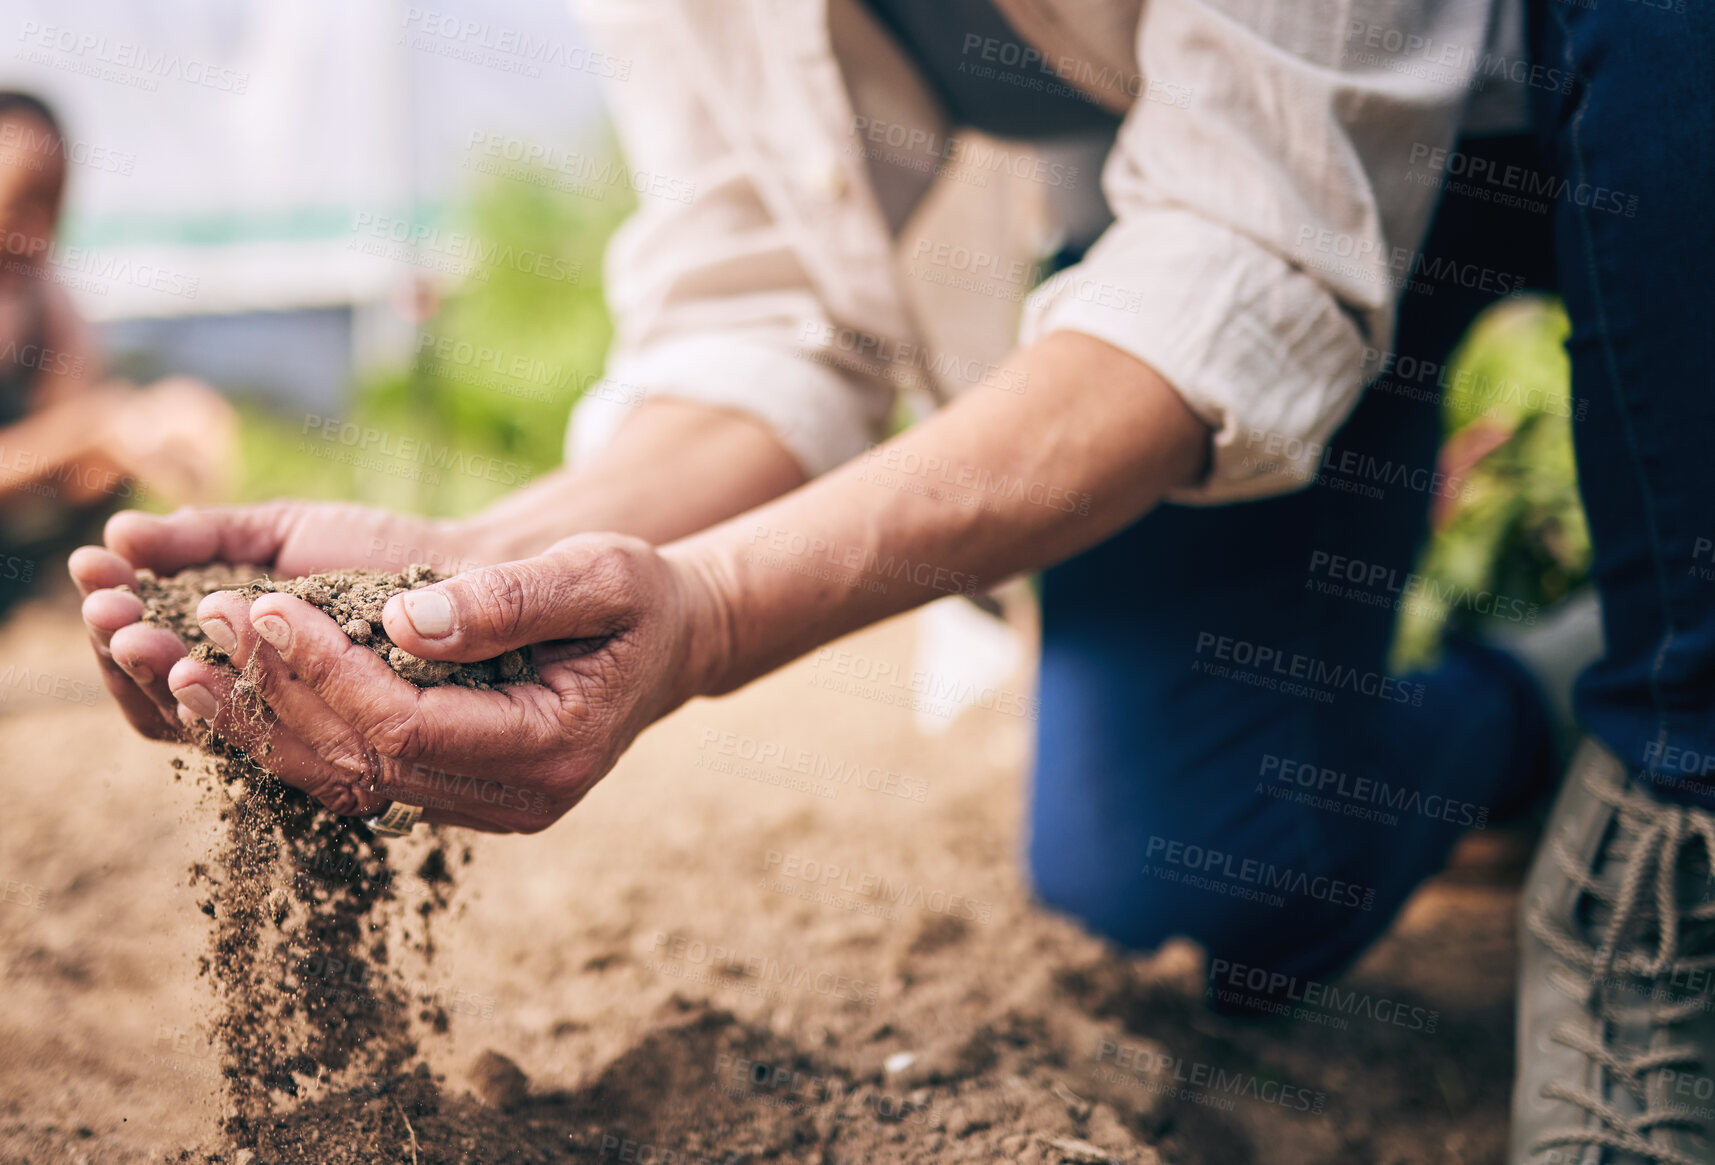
column 1516, row 528
column 483, row 404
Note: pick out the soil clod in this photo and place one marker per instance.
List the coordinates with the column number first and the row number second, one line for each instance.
column 498, row 1082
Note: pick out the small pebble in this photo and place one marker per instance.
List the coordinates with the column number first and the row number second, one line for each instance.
column 899, row 1062
column 498, row 1082
column 511, row 664
column 358, row 631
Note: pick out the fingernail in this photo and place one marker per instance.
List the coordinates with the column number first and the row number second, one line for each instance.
column 275, row 630
column 430, row 615
column 220, row 633
column 138, row 670
column 197, row 699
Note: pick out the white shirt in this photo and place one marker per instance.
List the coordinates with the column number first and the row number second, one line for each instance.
column 1265, row 183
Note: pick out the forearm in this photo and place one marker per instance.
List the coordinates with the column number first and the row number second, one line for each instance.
column 673, row 468
column 994, row 485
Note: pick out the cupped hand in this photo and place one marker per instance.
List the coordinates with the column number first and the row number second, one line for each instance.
column 286, row 538
column 620, row 635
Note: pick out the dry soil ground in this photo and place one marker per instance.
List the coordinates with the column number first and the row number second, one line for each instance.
column 679, row 983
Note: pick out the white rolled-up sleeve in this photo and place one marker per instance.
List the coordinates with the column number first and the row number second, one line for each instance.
column 822, row 416
column 720, row 284
column 1265, row 215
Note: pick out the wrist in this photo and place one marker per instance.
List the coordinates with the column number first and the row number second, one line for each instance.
column 709, row 640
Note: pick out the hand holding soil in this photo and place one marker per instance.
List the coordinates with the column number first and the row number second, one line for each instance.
column 282, row 539
column 423, row 697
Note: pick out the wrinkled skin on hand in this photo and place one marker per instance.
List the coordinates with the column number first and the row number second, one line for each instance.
column 619, row 634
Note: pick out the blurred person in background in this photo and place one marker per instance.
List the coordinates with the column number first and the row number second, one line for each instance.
column 72, row 441
column 1192, row 383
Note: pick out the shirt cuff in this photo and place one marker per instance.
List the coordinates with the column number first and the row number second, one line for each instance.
column 1255, row 347
column 822, row 414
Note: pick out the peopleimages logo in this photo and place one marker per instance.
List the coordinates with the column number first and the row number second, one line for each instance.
column 127, row 61
column 680, row 956
column 44, row 683
column 1522, row 180
column 793, row 1088
column 977, row 262
column 1295, row 998
column 1425, row 56
column 901, row 362
column 1273, row 663
column 519, row 50
column 43, row 477
column 462, row 790
column 455, row 252
column 586, row 175
column 50, row 361
column 980, row 479
column 864, row 884
column 21, row 142
column 371, row 448
column 807, row 762
column 1197, row 1081
column 1364, row 798
column 862, row 559
column 933, row 693
column 25, row 894
column 1431, row 382
column 90, row 270
column 1013, row 62
column 1380, row 585
column 1407, row 269
column 964, row 153
column 1265, row 876
column 1325, row 465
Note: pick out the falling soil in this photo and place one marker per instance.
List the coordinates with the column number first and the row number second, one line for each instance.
column 312, row 1004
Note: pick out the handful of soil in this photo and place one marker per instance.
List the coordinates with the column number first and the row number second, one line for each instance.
column 352, row 598
column 304, row 901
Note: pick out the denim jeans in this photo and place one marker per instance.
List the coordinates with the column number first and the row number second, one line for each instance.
column 1220, row 752
column 1641, row 124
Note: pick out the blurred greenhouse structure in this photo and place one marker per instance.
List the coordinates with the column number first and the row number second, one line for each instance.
column 252, row 182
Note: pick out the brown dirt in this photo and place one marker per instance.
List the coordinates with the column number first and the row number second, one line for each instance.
column 669, row 996
column 352, row 598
